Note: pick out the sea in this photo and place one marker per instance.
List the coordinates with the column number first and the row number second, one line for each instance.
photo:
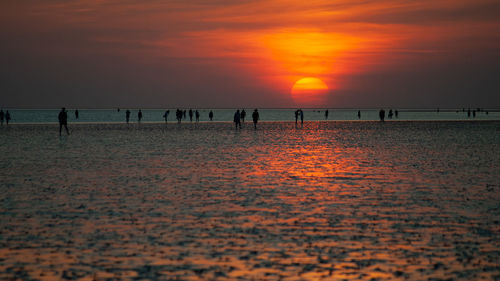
column 412, row 198
column 225, row 115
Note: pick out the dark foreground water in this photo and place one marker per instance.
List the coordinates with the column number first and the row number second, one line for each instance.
column 322, row 201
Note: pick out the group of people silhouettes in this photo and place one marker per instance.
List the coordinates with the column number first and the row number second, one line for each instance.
column 300, row 113
column 240, row 117
column 4, row 116
column 381, row 114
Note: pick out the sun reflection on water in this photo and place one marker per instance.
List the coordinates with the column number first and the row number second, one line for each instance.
column 323, row 201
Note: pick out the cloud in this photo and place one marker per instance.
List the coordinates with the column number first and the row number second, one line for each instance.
column 241, row 46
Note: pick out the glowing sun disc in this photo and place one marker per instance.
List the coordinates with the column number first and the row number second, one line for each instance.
column 309, row 92
column 309, row 83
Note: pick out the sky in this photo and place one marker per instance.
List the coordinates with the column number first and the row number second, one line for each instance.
column 249, row 53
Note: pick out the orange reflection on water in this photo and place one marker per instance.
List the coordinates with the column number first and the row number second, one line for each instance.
column 323, row 201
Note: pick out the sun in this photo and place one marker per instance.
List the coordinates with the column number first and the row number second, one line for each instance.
column 309, row 92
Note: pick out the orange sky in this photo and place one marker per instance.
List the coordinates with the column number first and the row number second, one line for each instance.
column 233, row 53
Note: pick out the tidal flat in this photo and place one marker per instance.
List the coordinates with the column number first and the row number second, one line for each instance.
column 334, row 200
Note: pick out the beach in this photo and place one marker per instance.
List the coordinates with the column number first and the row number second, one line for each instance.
column 326, row 200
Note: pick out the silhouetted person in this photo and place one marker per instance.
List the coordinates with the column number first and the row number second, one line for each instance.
column 390, row 114
column 211, row 115
column 396, row 113
column 197, row 114
column 473, row 114
column 118, row 109
column 255, row 117
column 127, row 116
column 7, row 117
column 165, row 115
column 359, row 114
column 301, row 116
column 381, row 115
column 139, row 116
column 178, row 115
column 326, row 114
column 63, row 120
column 191, row 115
column 184, row 114
column 236, row 119
column 76, row 114
column 243, row 115
column 296, row 116
column 468, row 112
column 2, row 116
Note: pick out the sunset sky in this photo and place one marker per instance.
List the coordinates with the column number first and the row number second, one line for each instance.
column 227, row 53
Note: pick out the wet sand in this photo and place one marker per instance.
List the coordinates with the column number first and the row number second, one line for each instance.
column 326, row 201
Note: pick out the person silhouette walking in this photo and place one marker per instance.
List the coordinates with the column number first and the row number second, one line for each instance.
column 236, row 119
column 63, row 120
column 243, row 115
column 2, row 115
column 127, row 116
column 381, row 115
column 139, row 116
column 211, row 115
column 255, row 117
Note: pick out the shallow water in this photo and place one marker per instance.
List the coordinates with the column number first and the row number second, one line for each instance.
column 322, row 201
column 224, row 115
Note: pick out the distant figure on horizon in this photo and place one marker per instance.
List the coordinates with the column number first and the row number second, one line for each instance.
column 76, row 114
column 296, row 116
column 139, row 116
column 326, row 114
column 468, row 112
column 184, row 114
column 396, row 113
column 473, row 115
column 2, row 115
column 381, row 115
column 390, row 114
column 63, row 120
column 197, row 114
column 237, row 116
column 7, row 117
column 127, row 116
column 118, row 109
column 211, row 115
column 255, row 117
column 243, row 115
column 191, row 115
column 178, row 115
column 359, row 114
column 165, row 115
column 301, row 116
